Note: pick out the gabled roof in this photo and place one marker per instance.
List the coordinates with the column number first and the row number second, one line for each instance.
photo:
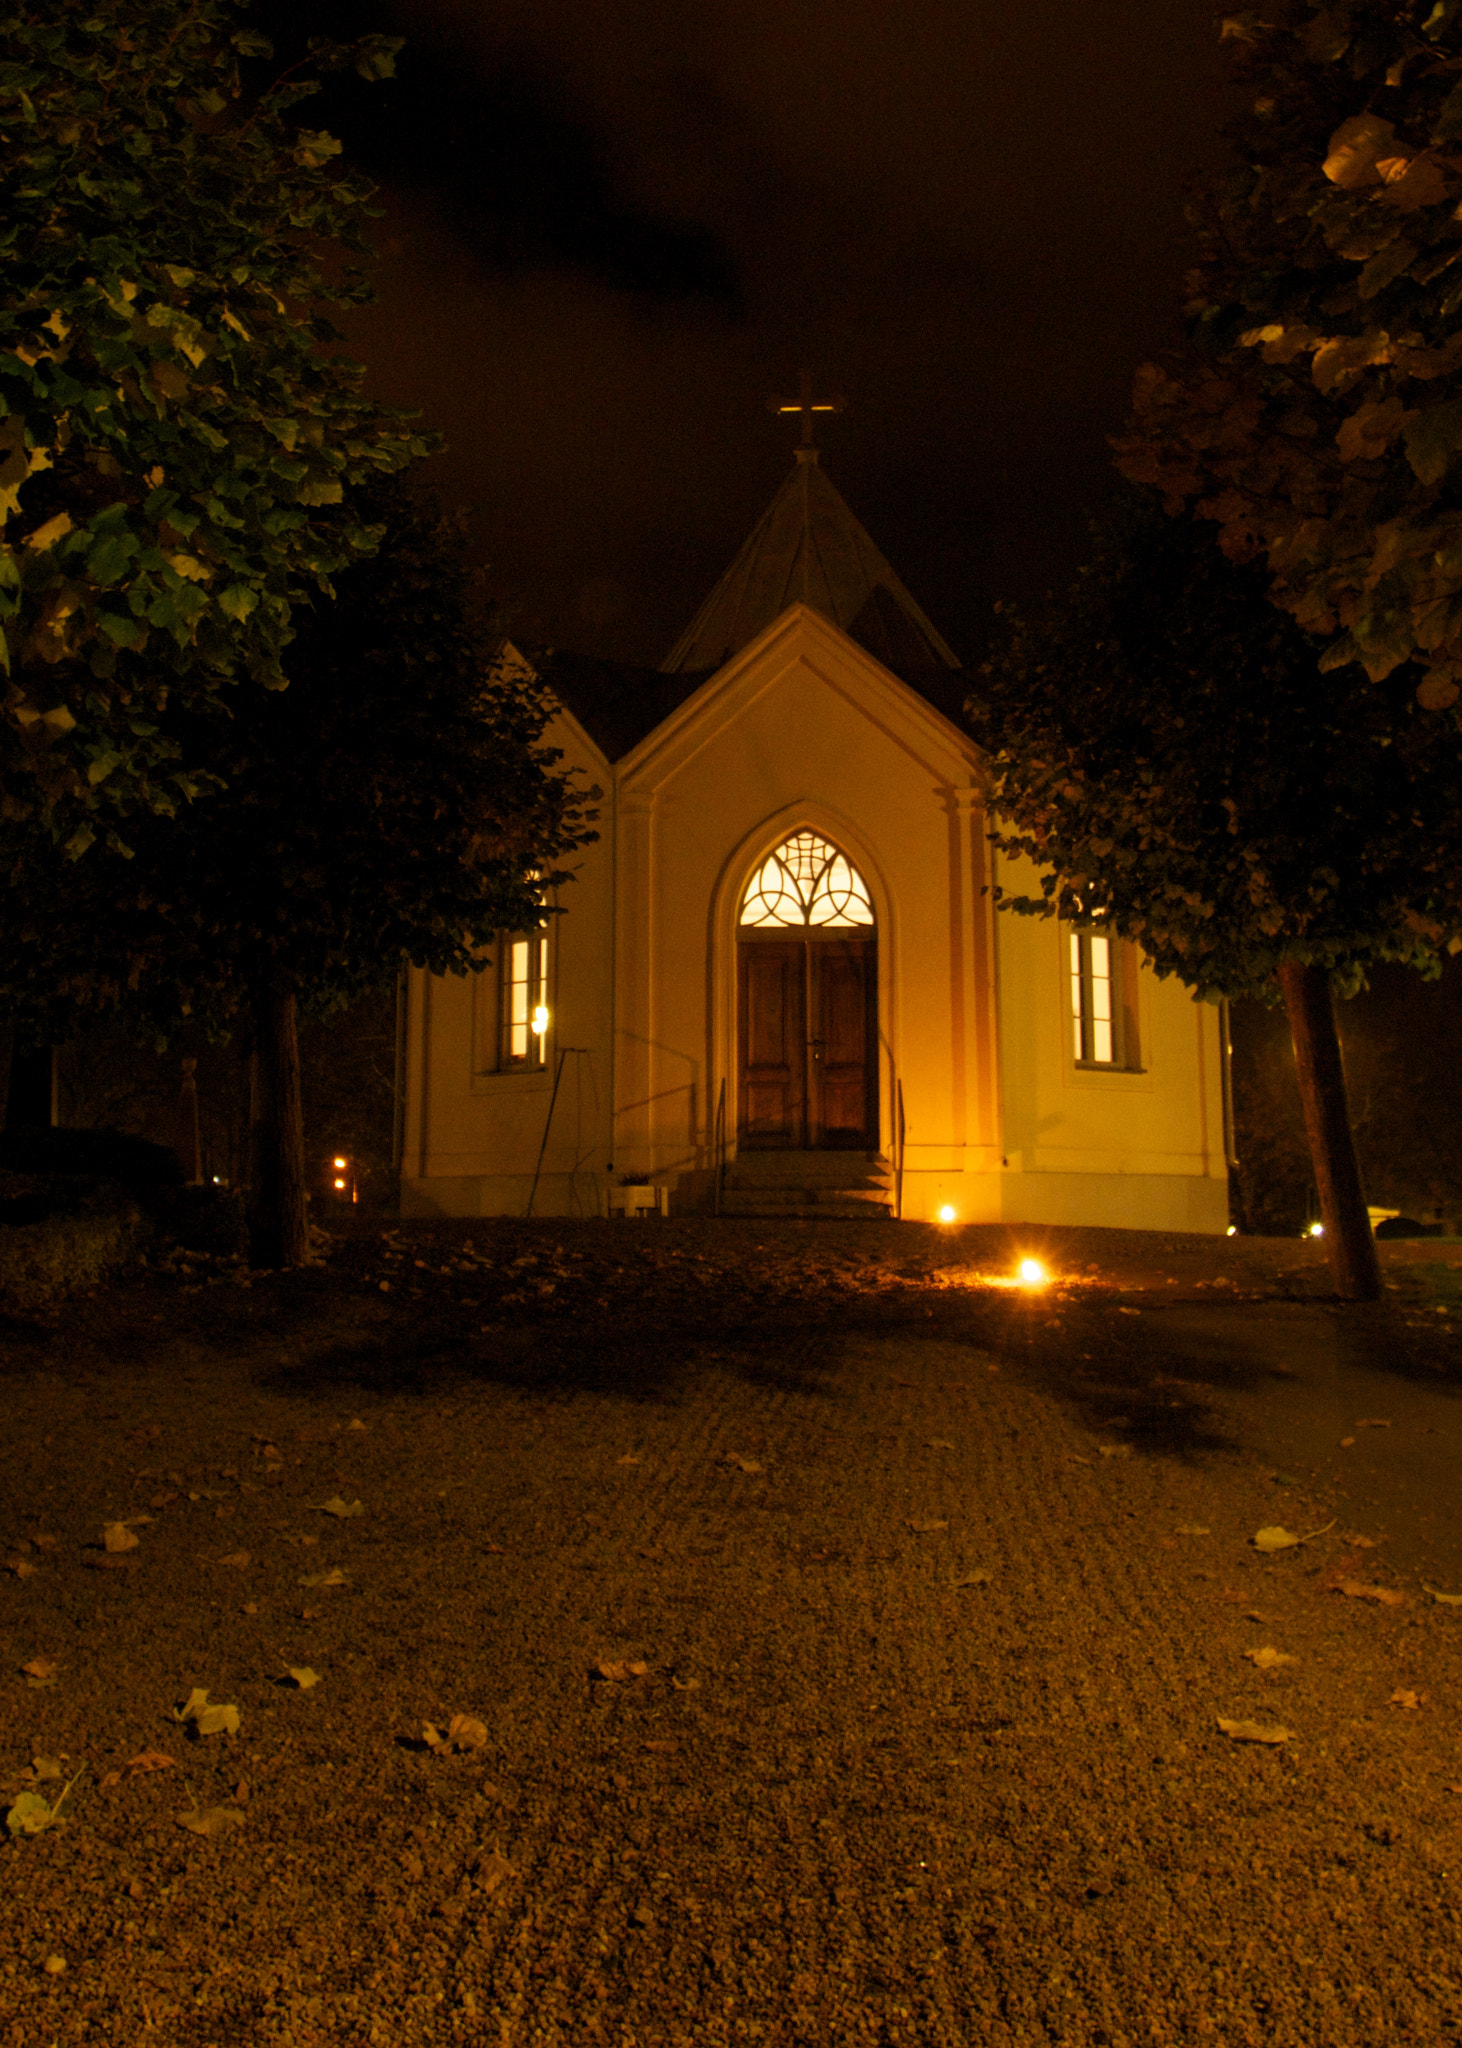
column 619, row 705
column 809, row 549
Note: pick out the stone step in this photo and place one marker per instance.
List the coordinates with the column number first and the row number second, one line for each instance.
column 808, row 1170
column 740, row 1203
column 769, row 1201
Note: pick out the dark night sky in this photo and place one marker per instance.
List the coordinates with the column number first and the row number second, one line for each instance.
column 613, row 232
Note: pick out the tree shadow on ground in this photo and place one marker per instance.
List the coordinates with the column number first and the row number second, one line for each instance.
column 650, row 1365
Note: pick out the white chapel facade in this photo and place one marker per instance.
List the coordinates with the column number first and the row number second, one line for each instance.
column 777, row 982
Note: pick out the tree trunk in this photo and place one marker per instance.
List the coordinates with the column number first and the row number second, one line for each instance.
column 279, row 1231
column 1349, row 1242
column 30, row 1102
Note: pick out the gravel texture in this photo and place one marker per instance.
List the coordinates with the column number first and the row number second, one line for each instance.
column 941, row 1587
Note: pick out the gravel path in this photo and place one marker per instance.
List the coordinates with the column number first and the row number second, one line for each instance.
column 941, row 1590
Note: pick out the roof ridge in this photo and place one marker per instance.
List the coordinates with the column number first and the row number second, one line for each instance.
column 799, row 531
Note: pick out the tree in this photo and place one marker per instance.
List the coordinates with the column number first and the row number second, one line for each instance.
column 1167, row 751
column 178, row 433
column 394, row 804
column 1316, row 413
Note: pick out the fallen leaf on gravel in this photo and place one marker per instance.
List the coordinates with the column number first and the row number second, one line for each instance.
column 628, row 1459
column 21, row 1567
column 632, row 1668
column 40, row 1671
column 1129, row 1311
column 162, row 1500
column 923, row 1527
column 1285, row 1539
column 1403, row 1698
column 211, row 1820
column 29, row 1814
column 1446, row 1599
column 660, row 1748
column 940, row 1443
column 742, row 1464
column 355, row 1423
column 149, row 1760
column 334, row 1577
column 237, row 1558
column 46, row 1769
column 975, row 1578
column 1372, row 1422
column 1359, row 1590
column 686, row 1684
column 462, row 1733
column 301, row 1676
column 1346, row 1442
column 1267, row 1659
column 46, row 1542
column 117, row 1536
column 341, row 1508
column 1252, row 1731
column 1115, row 1450
column 494, row 1869
column 209, row 1718
column 1360, row 1542
column 1192, row 1529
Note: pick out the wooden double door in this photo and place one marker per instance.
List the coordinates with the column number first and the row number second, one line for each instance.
column 807, row 1030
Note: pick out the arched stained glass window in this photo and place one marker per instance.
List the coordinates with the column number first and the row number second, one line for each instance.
column 806, row 882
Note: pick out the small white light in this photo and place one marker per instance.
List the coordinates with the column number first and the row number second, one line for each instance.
column 540, row 1020
column 340, row 1183
column 340, row 1164
column 946, row 1214
column 1233, row 1230
column 1315, row 1230
column 1032, row 1273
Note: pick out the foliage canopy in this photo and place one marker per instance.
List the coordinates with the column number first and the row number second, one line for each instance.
column 394, row 804
column 1317, row 415
column 1167, row 752
column 178, row 434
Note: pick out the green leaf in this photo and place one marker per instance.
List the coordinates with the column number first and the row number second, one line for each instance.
column 238, row 601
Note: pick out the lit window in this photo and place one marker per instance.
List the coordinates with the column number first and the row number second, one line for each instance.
column 523, row 972
column 1103, row 1029
column 806, row 882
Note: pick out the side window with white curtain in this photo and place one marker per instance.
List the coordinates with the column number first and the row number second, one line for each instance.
column 1102, row 985
column 522, row 1001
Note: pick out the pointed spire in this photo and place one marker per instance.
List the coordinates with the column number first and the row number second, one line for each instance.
column 808, row 548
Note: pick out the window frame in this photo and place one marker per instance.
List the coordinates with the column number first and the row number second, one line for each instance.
column 1082, row 985
column 533, row 1059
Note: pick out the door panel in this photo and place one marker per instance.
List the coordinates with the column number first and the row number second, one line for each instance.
column 799, row 1087
column 842, row 1100
column 773, row 1032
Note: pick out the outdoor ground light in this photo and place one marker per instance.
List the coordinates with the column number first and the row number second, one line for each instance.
column 1032, row 1273
column 946, row 1214
column 1315, row 1230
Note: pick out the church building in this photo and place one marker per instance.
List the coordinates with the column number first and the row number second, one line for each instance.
column 778, row 984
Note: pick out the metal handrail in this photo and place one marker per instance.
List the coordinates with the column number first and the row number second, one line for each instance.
column 900, row 1131
column 720, row 1144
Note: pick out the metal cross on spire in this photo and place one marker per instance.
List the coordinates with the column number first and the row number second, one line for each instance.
column 806, row 405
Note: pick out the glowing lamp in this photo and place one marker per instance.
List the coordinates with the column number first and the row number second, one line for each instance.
column 946, row 1214
column 1232, row 1231
column 340, row 1183
column 540, row 1020
column 1032, row 1273
column 340, row 1164
column 1315, row 1230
